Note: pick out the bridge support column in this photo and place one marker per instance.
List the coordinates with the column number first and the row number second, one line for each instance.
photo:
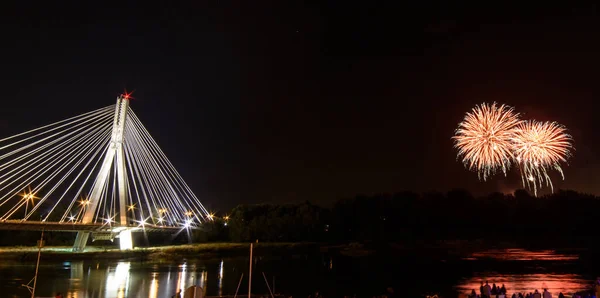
column 115, row 148
column 81, row 241
column 125, row 240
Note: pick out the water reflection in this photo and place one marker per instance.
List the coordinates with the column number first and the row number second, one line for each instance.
column 122, row 280
column 519, row 283
column 522, row 255
column 221, row 278
column 533, row 278
column 117, row 281
column 154, row 286
column 519, row 270
column 203, row 278
column 75, row 282
column 181, row 278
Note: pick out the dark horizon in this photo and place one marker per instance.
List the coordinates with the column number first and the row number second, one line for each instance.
column 287, row 102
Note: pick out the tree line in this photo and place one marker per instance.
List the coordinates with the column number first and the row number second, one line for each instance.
column 408, row 216
column 565, row 216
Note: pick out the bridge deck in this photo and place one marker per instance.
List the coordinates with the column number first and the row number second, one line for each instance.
column 76, row 227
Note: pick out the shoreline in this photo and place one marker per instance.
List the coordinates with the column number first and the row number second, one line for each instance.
column 171, row 252
column 449, row 249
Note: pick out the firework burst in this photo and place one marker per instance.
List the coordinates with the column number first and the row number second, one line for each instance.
column 539, row 147
column 484, row 139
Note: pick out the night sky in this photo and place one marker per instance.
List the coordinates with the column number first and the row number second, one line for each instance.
column 287, row 101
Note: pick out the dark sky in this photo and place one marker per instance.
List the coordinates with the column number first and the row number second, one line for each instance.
column 286, row 101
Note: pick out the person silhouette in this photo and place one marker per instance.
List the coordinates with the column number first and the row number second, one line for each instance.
column 178, row 294
column 487, row 290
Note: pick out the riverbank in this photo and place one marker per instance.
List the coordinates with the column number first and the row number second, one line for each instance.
column 446, row 250
column 174, row 252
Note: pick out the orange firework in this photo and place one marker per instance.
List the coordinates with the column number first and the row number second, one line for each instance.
column 483, row 139
column 539, row 147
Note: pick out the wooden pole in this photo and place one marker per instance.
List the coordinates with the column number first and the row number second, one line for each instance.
column 250, row 273
column 238, row 288
column 268, row 287
column 37, row 265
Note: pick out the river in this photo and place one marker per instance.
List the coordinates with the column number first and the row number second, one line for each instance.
column 336, row 276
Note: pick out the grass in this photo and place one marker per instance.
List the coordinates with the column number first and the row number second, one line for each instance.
column 229, row 250
column 172, row 252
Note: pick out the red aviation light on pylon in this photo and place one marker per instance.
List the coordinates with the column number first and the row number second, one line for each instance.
column 126, row 95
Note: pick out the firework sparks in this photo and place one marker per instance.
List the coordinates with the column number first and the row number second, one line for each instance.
column 484, row 139
column 539, row 147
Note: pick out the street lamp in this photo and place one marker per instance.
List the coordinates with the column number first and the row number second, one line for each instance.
column 28, row 197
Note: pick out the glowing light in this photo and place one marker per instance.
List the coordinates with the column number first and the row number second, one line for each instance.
column 84, row 202
column 125, row 241
column 127, row 95
column 211, row 216
column 181, row 278
column 71, row 218
column 142, row 223
column 29, row 196
column 189, row 213
column 221, row 279
column 203, row 281
column 539, row 147
column 108, row 221
column 187, row 223
column 117, row 281
column 483, row 139
column 161, row 211
column 160, row 220
column 153, row 287
column 491, row 137
column 131, row 207
column 226, row 217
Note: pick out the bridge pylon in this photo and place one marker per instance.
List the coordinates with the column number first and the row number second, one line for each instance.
column 114, row 156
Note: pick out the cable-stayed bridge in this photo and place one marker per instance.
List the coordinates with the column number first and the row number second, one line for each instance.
column 99, row 173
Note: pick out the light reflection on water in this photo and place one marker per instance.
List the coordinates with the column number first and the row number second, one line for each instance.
column 520, row 283
column 523, row 255
column 117, row 280
column 153, row 287
column 221, row 278
column 519, row 270
column 536, row 277
column 181, row 278
column 124, row 279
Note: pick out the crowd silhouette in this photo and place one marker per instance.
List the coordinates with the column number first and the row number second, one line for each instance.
column 493, row 291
